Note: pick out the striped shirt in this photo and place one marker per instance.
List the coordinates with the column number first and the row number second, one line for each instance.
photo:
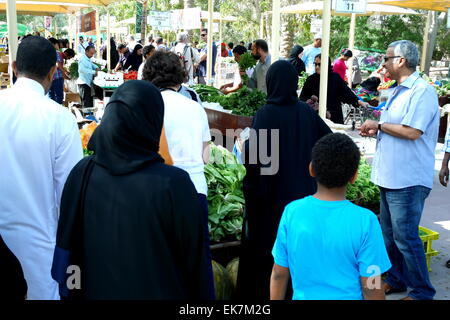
column 447, row 141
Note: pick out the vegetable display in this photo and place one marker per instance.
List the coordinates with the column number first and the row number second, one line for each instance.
column 386, row 85
column 85, row 134
column 363, row 192
column 130, row 75
column 224, row 176
column 244, row 102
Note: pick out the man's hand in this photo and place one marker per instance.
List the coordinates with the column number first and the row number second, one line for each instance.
column 444, row 175
column 369, row 128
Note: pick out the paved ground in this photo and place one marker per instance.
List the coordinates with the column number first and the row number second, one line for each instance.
column 436, row 216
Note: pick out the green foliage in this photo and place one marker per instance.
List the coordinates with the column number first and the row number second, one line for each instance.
column 224, row 176
column 363, row 192
column 73, row 70
column 302, row 79
column 247, row 61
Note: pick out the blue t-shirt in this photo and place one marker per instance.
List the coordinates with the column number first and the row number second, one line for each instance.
column 328, row 246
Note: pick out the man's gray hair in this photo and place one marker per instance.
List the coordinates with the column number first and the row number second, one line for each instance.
column 408, row 50
column 182, row 37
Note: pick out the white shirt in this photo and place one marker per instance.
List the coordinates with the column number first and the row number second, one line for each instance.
column 141, row 70
column 191, row 57
column 39, row 145
column 186, row 127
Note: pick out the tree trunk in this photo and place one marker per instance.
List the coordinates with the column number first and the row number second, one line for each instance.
column 144, row 22
column 287, row 31
column 434, row 27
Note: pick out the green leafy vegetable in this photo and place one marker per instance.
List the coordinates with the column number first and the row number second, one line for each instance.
column 363, row 192
column 224, row 176
column 73, row 70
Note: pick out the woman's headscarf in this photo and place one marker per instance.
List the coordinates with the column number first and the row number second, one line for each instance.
column 282, row 83
column 128, row 136
column 223, row 50
column 298, row 64
column 134, row 59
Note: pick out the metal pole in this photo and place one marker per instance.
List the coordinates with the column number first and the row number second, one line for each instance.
column 210, row 44
column 426, row 32
column 99, row 34
column 76, row 33
column 11, row 17
column 351, row 45
column 275, row 30
column 324, row 61
column 108, row 41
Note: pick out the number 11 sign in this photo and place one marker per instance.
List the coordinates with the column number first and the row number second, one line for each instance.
column 351, row 6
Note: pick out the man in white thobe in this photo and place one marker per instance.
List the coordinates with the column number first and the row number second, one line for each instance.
column 39, row 146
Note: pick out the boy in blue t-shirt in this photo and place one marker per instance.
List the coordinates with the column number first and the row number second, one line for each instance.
column 331, row 248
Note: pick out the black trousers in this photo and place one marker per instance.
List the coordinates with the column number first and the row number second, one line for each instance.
column 87, row 100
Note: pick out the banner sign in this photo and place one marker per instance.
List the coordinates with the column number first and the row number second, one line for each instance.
column 87, row 22
column 159, row 20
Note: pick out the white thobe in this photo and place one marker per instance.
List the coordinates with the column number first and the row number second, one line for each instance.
column 39, row 145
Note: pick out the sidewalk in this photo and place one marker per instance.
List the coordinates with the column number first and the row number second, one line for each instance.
column 436, row 216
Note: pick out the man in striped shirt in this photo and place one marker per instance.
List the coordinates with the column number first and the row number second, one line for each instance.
column 444, row 173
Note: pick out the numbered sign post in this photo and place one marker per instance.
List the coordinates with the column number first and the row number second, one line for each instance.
column 351, row 6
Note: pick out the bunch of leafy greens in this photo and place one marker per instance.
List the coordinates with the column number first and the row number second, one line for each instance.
column 247, row 62
column 73, row 70
column 302, row 79
column 224, row 175
column 244, row 102
column 363, row 192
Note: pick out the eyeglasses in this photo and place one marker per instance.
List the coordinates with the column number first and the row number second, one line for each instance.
column 387, row 58
column 317, row 64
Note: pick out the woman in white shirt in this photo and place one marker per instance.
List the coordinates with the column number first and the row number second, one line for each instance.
column 147, row 52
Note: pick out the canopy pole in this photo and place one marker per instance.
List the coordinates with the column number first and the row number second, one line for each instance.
column 426, row 32
column 324, row 61
column 209, row 56
column 351, row 46
column 108, row 40
column 219, row 59
column 11, row 18
column 97, row 27
column 275, row 30
column 76, row 33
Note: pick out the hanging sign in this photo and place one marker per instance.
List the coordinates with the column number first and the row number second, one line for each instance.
column 48, row 22
column 88, row 22
column 159, row 20
column 316, row 26
column 351, row 6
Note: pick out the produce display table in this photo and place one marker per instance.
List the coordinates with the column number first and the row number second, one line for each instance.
column 222, row 121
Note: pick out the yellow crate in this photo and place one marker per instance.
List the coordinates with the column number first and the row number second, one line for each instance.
column 427, row 236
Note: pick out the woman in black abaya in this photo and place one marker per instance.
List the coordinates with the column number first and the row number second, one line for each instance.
column 294, row 59
column 131, row 223
column 299, row 127
column 338, row 92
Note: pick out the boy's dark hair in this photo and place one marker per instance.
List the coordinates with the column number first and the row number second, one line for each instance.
column 69, row 53
column 262, row 44
column 231, row 45
column 147, row 50
column 164, row 70
column 89, row 48
column 240, row 50
column 335, row 160
column 121, row 46
column 371, row 83
column 35, row 57
column 53, row 41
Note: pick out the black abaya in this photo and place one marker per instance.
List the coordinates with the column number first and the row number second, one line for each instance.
column 338, row 93
column 267, row 195
column 298, row 63
column 133, row 224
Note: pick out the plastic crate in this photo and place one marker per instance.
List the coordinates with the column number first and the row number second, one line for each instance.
column 427, row 236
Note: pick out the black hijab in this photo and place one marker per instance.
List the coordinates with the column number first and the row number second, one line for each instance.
column 128, row 137
column 298, row 63
column 282, row 83
column 134, row 60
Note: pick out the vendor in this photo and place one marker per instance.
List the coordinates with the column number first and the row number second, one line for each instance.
column 339, row 65
column 87, row 70
column 237, row 81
